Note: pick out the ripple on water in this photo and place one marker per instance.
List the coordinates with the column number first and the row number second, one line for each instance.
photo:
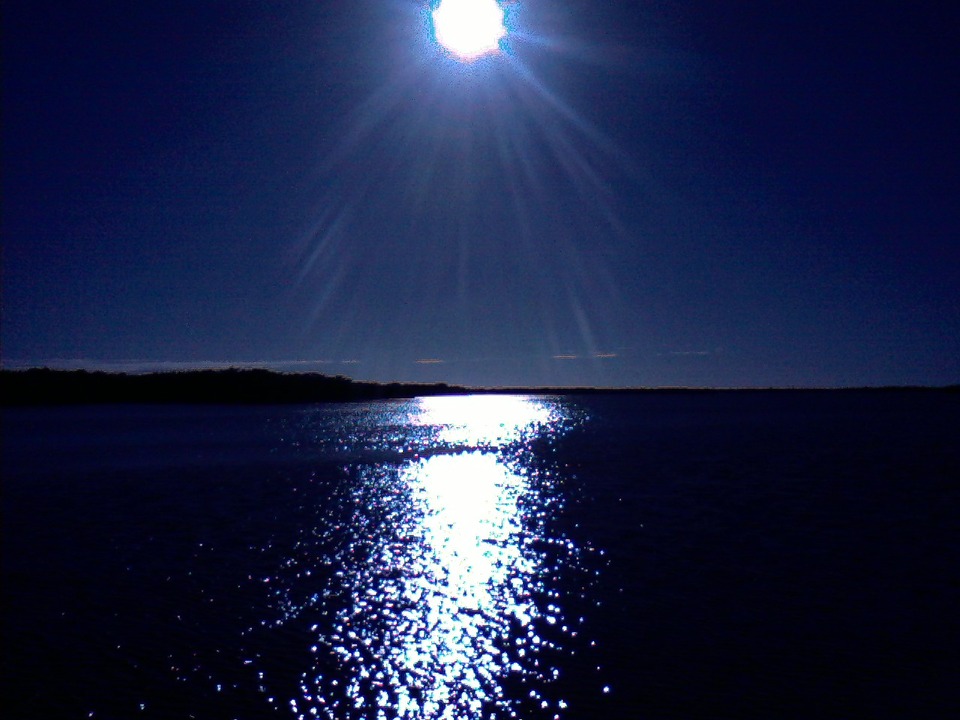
column 431, row 586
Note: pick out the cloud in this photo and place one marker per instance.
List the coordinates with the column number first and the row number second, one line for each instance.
column 137, row 366
column 593, row 356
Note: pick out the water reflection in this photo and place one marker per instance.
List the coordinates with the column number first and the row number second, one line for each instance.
column 486, row 420
column 470, row 574
column 445, row 602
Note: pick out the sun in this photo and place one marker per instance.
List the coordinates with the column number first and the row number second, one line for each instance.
column 469, row 28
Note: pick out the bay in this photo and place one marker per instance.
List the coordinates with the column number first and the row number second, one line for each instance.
column 738, row 555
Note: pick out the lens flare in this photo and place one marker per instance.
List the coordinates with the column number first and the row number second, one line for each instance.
column 469, row 28
column 494, row 195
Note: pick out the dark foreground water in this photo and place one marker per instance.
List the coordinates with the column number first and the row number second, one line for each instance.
column 646, row 556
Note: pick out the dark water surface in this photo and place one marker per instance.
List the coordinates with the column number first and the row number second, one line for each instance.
column 732, row 555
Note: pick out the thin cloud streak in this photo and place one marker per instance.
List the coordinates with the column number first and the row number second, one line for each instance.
column 149, row 366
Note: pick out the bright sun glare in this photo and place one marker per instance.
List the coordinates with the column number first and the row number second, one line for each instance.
column 469, row 28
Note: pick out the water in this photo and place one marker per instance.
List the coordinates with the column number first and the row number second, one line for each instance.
column 655, row 556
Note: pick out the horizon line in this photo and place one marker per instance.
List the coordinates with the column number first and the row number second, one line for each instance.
column 531, row 389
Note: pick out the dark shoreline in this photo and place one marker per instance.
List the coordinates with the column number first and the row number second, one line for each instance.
column 41, row 386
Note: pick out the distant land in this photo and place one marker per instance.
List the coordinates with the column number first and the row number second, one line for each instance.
column 42, row 386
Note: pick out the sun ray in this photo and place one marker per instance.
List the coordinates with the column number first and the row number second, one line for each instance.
column 478, row 165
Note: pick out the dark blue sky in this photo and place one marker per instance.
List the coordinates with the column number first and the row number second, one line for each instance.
column 660, row 193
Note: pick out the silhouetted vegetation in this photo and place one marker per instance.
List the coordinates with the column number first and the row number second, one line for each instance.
column 231, row 386
column 42, row 386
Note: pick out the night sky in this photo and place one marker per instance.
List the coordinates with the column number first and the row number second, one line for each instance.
column 628, row 193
